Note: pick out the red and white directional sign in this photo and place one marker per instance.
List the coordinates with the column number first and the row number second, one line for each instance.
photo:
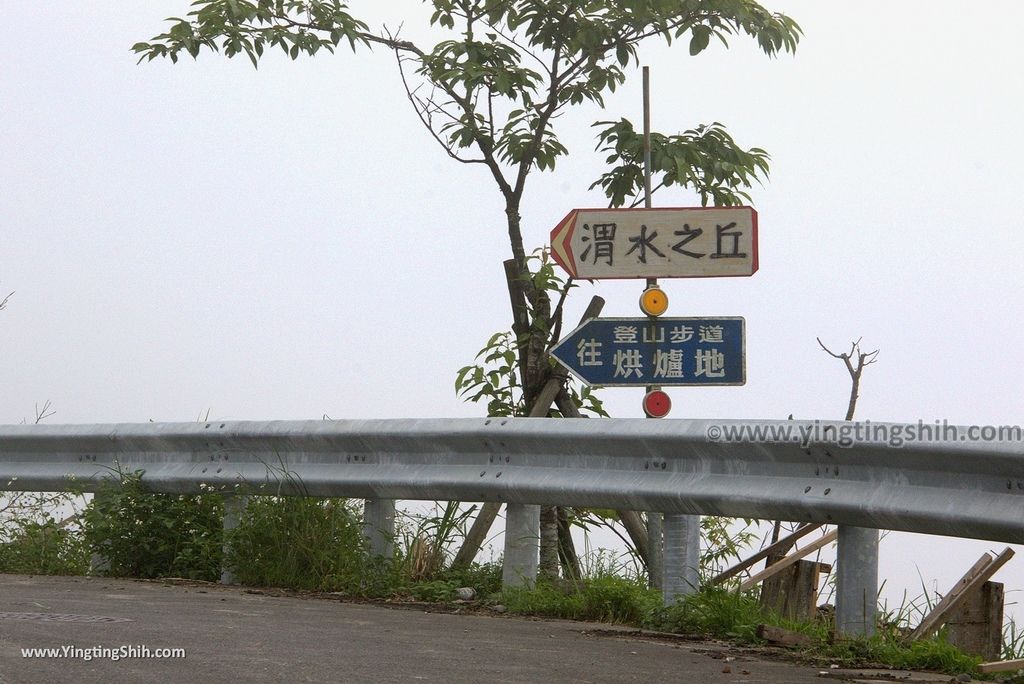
column 657, row 243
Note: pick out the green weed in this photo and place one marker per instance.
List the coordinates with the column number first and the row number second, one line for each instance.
column 925, row 654
column 300, row 543
column 484, row 578
column 1013, row 641
column 602, row 599
column 43, row 548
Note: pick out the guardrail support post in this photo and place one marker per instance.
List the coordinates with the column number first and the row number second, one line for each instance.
column 99, row 564
column 856, row 581
column 681, row 557
column 522, row 545
column 234, row 509
column 379, row 526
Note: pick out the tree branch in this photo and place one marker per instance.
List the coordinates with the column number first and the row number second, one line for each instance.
column 556, row 315
column 855, row 371
column 523, row 50
column 424, row 116
column 44, row 413
column 466, row 104
column 389, row 41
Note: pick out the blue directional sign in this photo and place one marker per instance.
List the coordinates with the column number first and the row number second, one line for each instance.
column 635, row 352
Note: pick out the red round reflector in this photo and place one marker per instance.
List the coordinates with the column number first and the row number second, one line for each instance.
column 657, row 404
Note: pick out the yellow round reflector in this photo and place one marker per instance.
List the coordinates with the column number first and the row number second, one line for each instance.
column 654, row 301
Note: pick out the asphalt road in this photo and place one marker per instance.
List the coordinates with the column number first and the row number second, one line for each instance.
column 233, row 635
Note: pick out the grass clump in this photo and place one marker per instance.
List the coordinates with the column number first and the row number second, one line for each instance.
column 483, row 578
column 300, row 543
column 925, row 654
column 713, row 612
column 318, row 545
column 724, row 614
column 603, row 599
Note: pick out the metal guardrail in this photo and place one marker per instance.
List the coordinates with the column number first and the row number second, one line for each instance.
column 954, row 487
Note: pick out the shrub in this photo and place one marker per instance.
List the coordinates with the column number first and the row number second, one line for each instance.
column 143, row 534
column 43, row 548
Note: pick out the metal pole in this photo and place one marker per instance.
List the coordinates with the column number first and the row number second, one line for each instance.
column 682, row 556
column 647, row 144
column 856, row 581
column 522, row 545
column 655, row 544
column 379, row 526
column 234, row 509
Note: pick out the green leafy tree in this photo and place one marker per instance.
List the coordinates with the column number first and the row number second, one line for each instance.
column 497, row 81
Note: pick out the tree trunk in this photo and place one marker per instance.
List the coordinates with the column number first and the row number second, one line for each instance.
column 531, row 323
column 548, row 568
column 566, row 547
column 477, row 535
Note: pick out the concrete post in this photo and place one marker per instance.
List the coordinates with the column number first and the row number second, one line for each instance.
column 522, row 545
column 99, row 565
column 234, row 509
column 856, row 581
column 379, row 527
column 682, row 556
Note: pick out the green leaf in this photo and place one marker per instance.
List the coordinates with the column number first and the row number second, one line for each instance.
column 700, row 40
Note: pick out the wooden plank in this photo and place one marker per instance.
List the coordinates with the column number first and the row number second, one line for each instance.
column 980, row 573
column 783, row 637
column 1002, row 666
column 789, row 560
column 942, row 605
column 785, row 542
column 792, row 593
column 976, row 627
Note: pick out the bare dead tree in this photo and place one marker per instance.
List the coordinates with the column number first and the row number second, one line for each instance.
column 17, row 505
column 855, row 360
column 45, row 412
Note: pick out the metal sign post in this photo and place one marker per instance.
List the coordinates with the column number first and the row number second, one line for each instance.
column 652, row 352
column 653, row 305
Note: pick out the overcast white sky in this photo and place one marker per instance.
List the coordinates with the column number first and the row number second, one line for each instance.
column 288, row 243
